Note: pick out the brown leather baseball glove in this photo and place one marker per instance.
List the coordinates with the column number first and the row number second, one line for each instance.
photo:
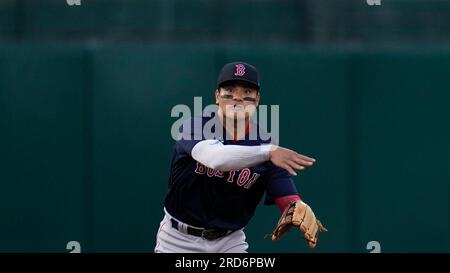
column 299, row 214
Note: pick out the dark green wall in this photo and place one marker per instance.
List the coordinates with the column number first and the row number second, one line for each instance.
column 85, row 142
column 251, row 22
column 43, row 196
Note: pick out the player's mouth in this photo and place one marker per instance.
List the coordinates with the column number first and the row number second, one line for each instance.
column 238, row 107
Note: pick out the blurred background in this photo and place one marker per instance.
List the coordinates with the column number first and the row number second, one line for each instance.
column 86, row 93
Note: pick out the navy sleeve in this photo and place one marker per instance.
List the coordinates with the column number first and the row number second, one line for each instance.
column 280, row 184
column 190, row 135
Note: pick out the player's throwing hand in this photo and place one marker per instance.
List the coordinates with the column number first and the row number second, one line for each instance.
column 289, row 160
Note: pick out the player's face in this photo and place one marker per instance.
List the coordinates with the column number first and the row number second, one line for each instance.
column 237, row 100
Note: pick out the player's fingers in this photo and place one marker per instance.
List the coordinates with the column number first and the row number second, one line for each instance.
column 289, row 169
column 306, row 158
column 301, row 161
column 295, row 165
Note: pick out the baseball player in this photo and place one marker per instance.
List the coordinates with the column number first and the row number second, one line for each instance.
column 216, row 182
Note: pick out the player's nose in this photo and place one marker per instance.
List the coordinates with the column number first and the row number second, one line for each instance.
column 238, row 94
column 237, row 98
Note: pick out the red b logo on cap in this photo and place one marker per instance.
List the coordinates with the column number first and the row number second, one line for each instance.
column 240, row 70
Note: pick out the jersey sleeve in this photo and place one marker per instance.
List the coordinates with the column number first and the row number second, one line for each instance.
column 190, row 133
column 280, row 183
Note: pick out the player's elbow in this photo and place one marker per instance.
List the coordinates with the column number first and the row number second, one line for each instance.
column 217, row 164
column 211, row 161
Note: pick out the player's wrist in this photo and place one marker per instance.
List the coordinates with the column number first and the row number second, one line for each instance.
column 267, row 151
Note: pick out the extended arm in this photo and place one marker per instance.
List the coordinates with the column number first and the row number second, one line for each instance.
column 215, row 155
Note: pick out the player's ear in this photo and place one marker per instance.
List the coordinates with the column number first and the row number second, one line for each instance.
column 257, row 98
column 217, row 93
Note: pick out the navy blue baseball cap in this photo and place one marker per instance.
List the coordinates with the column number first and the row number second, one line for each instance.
column 238, row 71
